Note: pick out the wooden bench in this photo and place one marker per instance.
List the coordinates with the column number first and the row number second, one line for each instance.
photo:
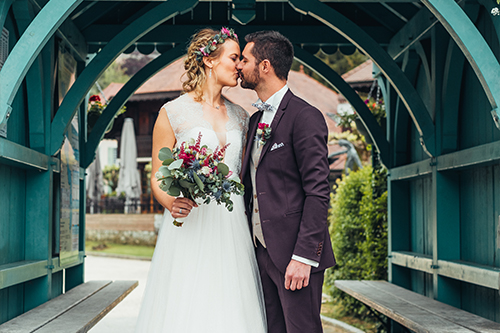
column 77, row 311
column 417, row 312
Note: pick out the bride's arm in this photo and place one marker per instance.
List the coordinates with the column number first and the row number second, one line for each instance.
column 163, row 136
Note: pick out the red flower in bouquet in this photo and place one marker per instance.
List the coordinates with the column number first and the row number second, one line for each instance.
column 198, row 173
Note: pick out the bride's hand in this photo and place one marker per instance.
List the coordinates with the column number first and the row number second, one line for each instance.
column 181, row 207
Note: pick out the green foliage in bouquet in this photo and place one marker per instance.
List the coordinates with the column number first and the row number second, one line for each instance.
column 196, row 172
column 358, row 229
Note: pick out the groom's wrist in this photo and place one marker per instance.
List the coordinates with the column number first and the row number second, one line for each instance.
column 305, row 261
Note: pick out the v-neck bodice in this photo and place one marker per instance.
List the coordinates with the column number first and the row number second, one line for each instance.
column 187, row 120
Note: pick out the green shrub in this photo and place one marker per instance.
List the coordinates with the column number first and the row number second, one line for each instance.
column 358, row 229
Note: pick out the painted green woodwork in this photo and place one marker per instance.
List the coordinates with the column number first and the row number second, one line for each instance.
column 393, row 73
column 480, row 275
column 27, row 49
column 380, row 15
column 454, row 68
column 70, row 34
column 444, row 211
column 398, row 229
column 123, row 95
column 21, row 157
column 21, row 271
column 100, row 34
column 23, row 14
column 243, row 11
column 489, row 5
column 474, row 47
column 120, row 43
column 418, row 26
column 378, row 136
column 4, row 10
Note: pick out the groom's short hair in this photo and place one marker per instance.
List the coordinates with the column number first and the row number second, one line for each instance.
column 275, row 47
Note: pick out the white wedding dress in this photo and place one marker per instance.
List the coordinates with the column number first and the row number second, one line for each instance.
column 204, row 276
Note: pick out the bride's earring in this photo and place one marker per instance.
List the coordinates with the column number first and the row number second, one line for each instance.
column 210, row 73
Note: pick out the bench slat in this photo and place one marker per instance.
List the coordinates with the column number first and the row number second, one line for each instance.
column 41, row 315
column 459, row 316
column 414, row 317
column 85, row 315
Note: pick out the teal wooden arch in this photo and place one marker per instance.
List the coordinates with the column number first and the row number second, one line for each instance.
column 23, row 14
column 105, row 57
column 327, row 73
column 27, row 50
column 409, row 96
column 473, row 46
column 453, row 73
column 4, row 10
column 123, row 95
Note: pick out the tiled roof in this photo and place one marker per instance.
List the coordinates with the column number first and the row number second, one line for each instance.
column 362, row 73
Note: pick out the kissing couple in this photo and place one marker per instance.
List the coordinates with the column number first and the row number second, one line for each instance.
column 258, row 268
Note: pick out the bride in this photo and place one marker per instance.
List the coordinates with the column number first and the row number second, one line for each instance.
column 204, row 275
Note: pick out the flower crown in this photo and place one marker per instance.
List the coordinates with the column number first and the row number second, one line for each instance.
column 212, row 44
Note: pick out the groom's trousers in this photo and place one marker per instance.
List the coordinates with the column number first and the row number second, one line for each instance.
column 289, row 311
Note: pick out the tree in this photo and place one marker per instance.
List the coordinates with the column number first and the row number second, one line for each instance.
column 114, row 73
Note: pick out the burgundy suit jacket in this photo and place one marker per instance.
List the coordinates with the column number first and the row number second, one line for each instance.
column 292, row 184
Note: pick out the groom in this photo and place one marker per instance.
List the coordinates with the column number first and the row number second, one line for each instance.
column 285, row 172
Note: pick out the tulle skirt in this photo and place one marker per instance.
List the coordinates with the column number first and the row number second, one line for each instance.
column 204, row 276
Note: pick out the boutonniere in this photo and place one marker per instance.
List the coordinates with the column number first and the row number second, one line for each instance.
column 263, row 133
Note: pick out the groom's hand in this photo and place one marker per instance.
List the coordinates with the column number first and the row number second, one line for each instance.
column 297, row 275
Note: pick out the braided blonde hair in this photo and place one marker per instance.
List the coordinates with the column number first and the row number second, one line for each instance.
column 195, row 69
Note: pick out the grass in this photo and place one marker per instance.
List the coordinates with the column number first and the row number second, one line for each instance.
column 332, row 310
column 119, row 249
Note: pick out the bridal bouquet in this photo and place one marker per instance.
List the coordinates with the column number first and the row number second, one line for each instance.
column 198, row 173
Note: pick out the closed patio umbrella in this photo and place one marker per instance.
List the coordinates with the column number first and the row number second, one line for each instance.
column 129, row 180
column 94, row 183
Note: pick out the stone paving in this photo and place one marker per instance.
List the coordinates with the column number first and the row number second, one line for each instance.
column 123, row 317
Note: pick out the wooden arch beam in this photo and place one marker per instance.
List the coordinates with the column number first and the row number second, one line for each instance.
column 105, row 57
column 4, row 10
column 123, row 95
column 327, row 73
column 473, row 46
column 409, row 96
column 28, row 48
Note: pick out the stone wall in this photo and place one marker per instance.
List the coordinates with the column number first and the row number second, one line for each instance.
column 136, row 229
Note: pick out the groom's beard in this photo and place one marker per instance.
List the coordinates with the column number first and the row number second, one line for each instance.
column 251, row 81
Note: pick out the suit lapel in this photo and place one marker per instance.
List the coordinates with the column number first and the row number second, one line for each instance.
column 276, row 120
column 254, row 121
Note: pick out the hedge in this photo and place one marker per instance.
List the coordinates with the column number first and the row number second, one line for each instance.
column 358, row 229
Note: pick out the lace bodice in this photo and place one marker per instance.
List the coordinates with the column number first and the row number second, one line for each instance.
column 187, row 121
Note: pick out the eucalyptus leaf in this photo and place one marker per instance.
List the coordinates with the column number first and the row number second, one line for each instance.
column 168, row 183
column 174, row 191
column 198, row 182
column 223, row 169
column 165, row 153
column 168, row 161
column 164, row 171
column 186, row 184
column 175, row 165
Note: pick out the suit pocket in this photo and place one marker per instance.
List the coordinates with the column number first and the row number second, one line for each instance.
column 293, row 212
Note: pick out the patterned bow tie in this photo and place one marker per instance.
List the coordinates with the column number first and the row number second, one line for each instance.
column 263, row 106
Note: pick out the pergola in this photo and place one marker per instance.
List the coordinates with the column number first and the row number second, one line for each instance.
column 437, row 62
